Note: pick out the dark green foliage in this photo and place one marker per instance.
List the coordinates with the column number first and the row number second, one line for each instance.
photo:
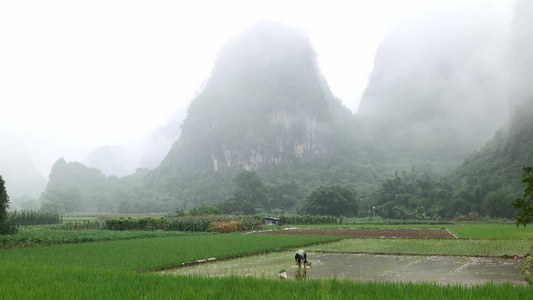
column 418, row 194
column 204, row 210
column 8, row 225
column 249, row 193
column 61, row 201
column 496, row 203
column 489, row 178
column 333, row 200
column 4, row 200
column 524, row 204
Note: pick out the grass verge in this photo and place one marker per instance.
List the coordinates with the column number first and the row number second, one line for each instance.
column 462, row 230
column 146, row 254
column 26, row 281
column 43, row 235
column 469, row 247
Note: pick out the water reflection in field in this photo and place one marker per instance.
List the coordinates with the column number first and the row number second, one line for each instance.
column 367, row 267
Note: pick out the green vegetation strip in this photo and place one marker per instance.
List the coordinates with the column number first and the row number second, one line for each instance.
column 466, row 230
column 25, row 281
column 31, row 236
column 145, row 254
column 474, row 247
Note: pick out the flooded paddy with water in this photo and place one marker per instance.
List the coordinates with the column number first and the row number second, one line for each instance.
column 462, row 270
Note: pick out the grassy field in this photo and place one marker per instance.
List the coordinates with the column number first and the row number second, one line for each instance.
column 461, row 230
column 32, row 236
column 469, row 247
column 25, row 281
column 150, row 253
column 108, row 267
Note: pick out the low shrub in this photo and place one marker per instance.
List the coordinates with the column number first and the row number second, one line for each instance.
column 9, row 225
column 527, row 269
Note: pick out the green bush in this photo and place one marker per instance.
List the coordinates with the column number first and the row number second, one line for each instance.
column 9, row 225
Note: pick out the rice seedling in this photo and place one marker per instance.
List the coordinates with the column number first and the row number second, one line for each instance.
column 474, row 247
column 27, row 281
column 147, row 254
column 32, row 236
column 462, row 230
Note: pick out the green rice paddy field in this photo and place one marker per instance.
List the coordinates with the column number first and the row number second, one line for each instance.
column 121, row 268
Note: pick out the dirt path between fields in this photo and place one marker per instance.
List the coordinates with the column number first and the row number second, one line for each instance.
column 424, row 233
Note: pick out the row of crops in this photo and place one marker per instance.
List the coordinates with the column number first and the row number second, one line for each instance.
column 308, row 220
column 32, row 217
column 216, row 223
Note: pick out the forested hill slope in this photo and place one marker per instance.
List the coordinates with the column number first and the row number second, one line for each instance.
column 438, row 90
column 266, row 108
column 498, row 165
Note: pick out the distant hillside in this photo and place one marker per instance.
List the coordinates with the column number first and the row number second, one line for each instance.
column 438, row 89
column 74, row 187
column 146, row 152
column 498, row 165
column 488, row 180
column 18, row 169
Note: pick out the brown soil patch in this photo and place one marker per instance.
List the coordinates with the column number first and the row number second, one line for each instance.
column 369, row 233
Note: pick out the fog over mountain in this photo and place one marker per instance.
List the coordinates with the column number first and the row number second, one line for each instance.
column 440, row 83
column 146, row 152
column 18, row 169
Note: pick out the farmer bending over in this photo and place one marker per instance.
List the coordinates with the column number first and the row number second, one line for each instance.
column 301, row 257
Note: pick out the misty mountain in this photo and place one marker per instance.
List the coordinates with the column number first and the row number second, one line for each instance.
column 433, row 98
column 147, row 152
column 76, row 187
column 266, row 108
column 498, row 164
column 486, row 182
column 18, row 169
column 438, row 89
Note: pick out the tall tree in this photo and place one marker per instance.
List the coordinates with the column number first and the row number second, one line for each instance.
column 333, row 200
column 7, row 225
column 250, row 191
column 61, row 201
column 4, row 201
column 524, row 204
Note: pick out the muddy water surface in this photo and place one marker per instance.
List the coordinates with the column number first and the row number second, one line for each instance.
column 367, row 267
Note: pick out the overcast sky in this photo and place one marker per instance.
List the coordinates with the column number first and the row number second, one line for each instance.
column 75, row 75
